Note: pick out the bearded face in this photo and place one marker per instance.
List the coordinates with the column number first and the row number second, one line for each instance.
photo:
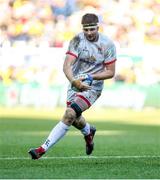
column 91, row 33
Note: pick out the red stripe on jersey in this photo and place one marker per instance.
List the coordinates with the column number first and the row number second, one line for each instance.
column 107, row 63
column 70, row 53
column 86, row 100
column 68, row 103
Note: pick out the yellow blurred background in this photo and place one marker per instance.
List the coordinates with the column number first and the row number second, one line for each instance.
column 34, row 35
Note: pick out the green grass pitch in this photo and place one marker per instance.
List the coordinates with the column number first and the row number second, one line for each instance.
column 123, row 150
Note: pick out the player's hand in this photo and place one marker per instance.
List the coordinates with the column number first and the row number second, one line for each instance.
column 78, row 84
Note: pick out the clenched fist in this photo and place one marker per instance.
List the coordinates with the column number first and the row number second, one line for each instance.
column 78, row 85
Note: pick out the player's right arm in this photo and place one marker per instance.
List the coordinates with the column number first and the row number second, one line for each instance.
column 71, row 57
column 67, row 69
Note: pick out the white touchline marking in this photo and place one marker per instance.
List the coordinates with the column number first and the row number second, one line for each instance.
column 85, row 157
column 73, row 133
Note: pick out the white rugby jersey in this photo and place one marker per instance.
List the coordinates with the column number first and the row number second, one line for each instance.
column 91, row 56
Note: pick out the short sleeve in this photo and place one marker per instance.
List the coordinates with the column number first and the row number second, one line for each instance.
column 73, row 48
column 110, row 54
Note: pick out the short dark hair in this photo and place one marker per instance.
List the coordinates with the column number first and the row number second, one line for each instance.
column 89, row 20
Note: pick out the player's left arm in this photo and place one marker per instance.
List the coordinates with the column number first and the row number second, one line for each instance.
column 107, row 73
column 109, row 63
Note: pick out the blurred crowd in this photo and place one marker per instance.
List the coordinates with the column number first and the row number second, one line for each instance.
column 52, row 23
column 33, row 76
column 44, row 67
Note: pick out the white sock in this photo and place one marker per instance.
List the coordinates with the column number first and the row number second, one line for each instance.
column 86, row 130
column 55, row 135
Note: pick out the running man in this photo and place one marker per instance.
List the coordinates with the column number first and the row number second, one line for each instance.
column 90, row 58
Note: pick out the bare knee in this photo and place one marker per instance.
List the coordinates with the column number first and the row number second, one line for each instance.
column 69, row 116
column 79, row 123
